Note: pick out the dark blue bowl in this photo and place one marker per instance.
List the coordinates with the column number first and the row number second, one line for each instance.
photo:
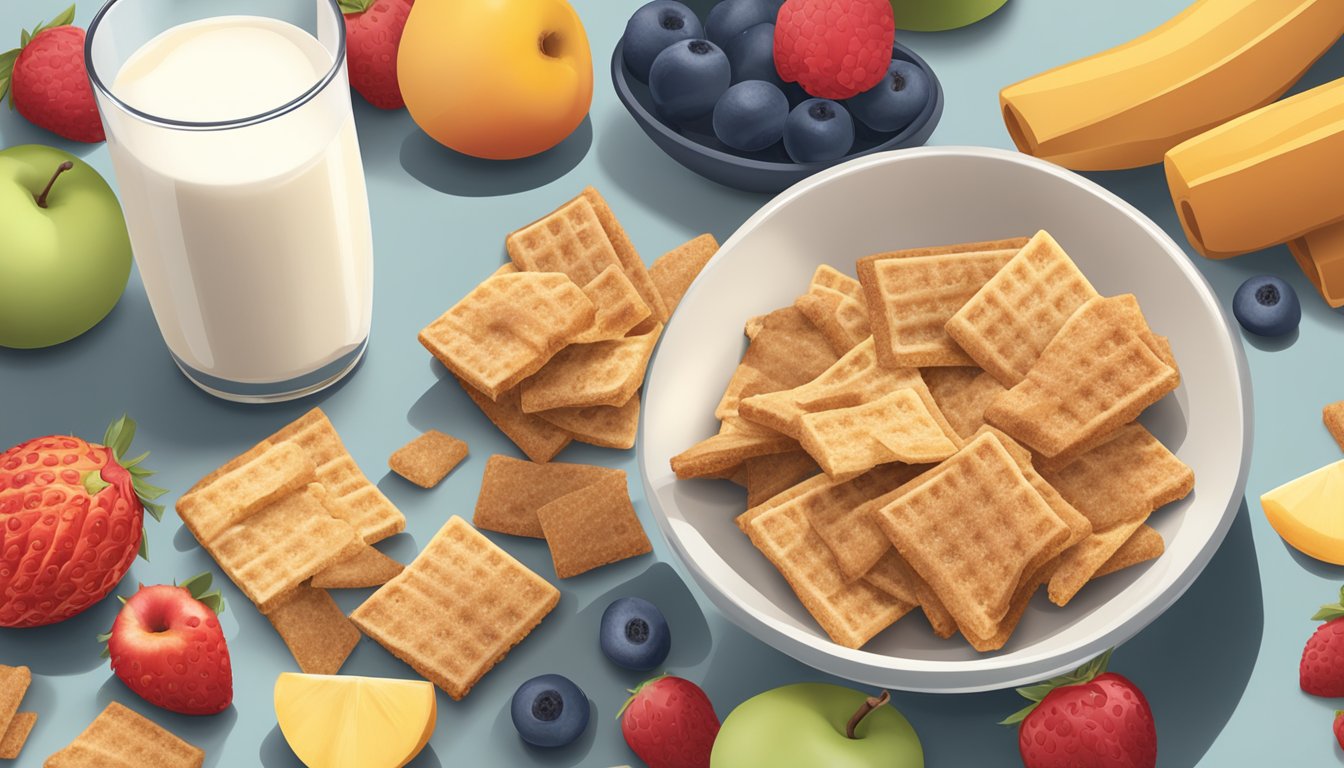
column 770, row 170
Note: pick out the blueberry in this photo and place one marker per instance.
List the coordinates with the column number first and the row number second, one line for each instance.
column 549, row 711
column 894, row 102
column 1267, row 306
column 731, row 18
column 687, row 79
column 752, row 55
column 652, row 28
column 634, row 634
column 750, row 115
column 818, row 131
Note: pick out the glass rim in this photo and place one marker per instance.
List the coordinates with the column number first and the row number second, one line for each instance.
column 216, row 125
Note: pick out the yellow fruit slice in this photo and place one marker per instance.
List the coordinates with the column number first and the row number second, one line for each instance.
column 1306, row 513
column 336, row 721
column 1126, row 106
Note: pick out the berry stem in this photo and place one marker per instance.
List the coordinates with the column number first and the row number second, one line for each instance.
column 62, row 168
column 869, row 704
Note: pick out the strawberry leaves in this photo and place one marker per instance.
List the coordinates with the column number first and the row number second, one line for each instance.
column 117, row 439
column 354, row 6
column 119, row 435
column 1332, row 611
column 63, row 19
column 7, row 59
column 199, row 587
column 1037, row 693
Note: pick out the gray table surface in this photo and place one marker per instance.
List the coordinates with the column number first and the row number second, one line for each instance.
column 1219, row 668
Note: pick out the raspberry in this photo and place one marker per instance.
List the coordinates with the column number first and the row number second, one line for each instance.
column 834, row 49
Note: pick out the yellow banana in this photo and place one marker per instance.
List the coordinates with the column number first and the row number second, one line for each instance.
column 1320, row 254
column 1125, row 107
column 1263, row 178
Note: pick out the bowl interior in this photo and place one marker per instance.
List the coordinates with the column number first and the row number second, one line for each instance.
column 925, row 197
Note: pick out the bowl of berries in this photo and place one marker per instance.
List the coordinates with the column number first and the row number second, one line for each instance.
column 758, row 94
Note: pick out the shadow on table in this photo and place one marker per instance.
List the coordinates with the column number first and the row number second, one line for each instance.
column 1192, row 685
column 67, row 648
column 1311, row 565
column 454, row 173
column 644, row 173
column 439, row 405
column 204, row 732
column 15, row 130
column 275, row 753
column 574, row 627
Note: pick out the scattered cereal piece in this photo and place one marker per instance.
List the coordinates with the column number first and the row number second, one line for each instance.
column 121, row 738
column 429, row 458
column 592, row 527
column 458, row 609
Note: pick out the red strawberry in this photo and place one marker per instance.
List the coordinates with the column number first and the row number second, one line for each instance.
column 48, row 81
column 1322, row 670
column 834, row 49
column 670, row 723
column 373, row 32
column 167, row 646
column 1339, row 727
column 1090, row 718
column 70, row 523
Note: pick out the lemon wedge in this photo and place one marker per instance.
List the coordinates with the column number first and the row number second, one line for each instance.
column 1309, row 513
column 336, row 721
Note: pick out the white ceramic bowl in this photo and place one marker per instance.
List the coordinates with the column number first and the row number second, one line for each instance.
column 922, row 197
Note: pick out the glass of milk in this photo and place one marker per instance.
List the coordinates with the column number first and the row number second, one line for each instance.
column 234, row 148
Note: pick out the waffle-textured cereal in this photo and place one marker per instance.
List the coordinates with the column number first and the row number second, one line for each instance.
column 120, row 738
column 457, row 610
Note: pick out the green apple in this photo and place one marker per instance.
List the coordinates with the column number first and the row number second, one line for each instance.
column 64, row 252
column 807, row 725
column 937, row 15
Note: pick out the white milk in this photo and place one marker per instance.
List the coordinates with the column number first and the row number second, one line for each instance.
column 253, row 242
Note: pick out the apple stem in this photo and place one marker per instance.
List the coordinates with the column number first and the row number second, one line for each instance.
column 62, row 168
column 871, row 703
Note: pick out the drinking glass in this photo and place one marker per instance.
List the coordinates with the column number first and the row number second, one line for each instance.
column 234, row 149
